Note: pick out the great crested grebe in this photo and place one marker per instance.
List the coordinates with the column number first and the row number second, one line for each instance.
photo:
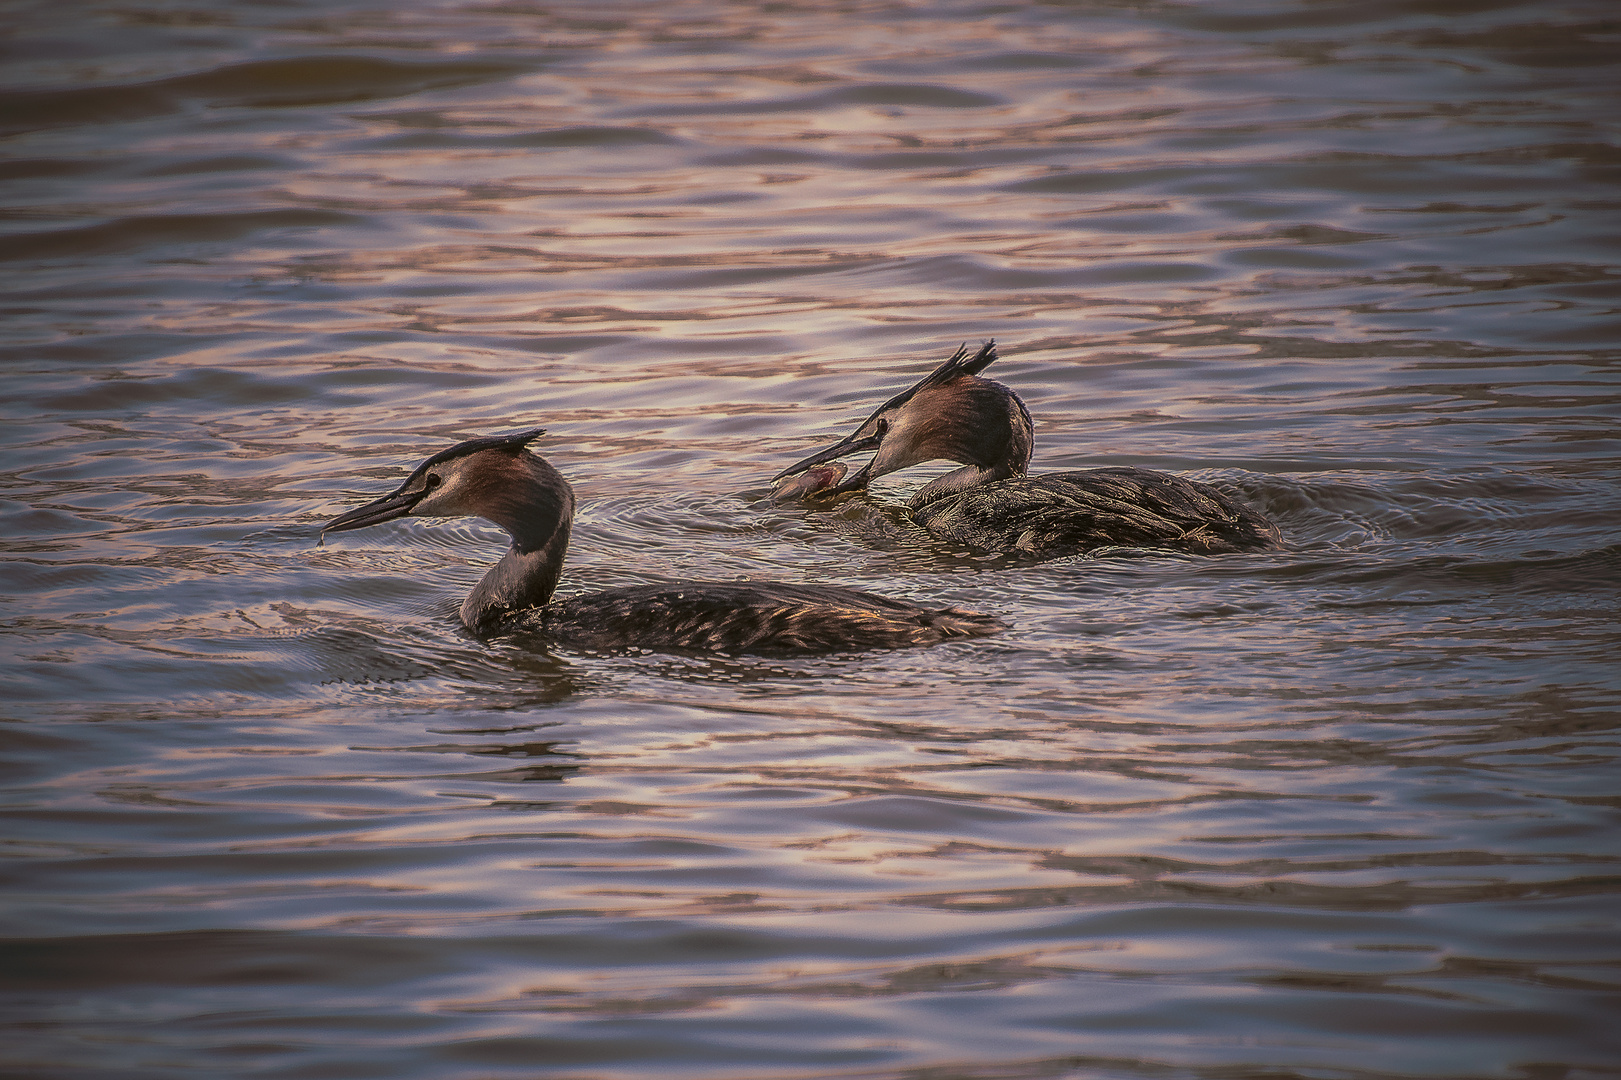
column 498, row 479
column 990, row 504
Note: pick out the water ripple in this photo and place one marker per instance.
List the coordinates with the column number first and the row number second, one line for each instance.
column 1345, row 808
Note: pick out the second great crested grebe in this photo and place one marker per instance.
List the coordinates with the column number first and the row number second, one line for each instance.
column 991, row 505
column 498, row 479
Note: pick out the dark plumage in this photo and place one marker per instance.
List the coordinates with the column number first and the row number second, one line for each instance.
column 991, row 505
column 499, row 480
column 1067, row 512
column 740, row 616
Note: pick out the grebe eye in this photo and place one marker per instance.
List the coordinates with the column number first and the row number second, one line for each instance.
column 433, row 481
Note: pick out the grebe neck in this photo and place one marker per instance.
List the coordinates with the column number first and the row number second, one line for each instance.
column 520, row 579
column 535, row 505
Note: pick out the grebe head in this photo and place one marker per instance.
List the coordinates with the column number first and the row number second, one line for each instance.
column 950, row 413
column 495, row 478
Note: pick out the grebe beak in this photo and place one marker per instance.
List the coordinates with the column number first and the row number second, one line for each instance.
column 851, row 444
column 389, row 507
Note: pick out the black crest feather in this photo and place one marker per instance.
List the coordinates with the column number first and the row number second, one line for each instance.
column 960, row 363
column 487, row 442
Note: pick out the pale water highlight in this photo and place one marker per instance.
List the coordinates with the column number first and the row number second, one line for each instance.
column 1344, row 811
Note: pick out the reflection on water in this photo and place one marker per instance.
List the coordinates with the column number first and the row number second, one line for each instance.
column 1345, row 809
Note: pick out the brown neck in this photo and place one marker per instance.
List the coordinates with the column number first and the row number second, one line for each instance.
column 536, row 507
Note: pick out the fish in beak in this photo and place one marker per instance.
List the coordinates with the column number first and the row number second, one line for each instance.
column 825, row 480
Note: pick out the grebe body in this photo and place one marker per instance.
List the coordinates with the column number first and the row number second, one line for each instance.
column 991, row 505
column 500, row 480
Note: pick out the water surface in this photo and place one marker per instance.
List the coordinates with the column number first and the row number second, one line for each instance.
column 1346, row 810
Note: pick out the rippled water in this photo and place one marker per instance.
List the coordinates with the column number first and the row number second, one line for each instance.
column 1343, row 811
